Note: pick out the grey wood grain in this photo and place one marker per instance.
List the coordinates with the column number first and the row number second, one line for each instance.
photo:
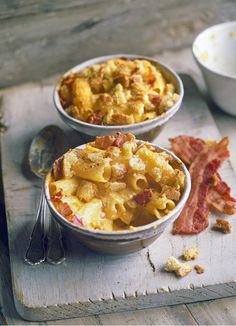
column 176, row 315
column 40, row 38
column 2, row 319
column 217, row 312
column 8, row 313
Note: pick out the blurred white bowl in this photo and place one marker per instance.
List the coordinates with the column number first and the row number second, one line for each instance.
column 135, row 128
column 215, row 52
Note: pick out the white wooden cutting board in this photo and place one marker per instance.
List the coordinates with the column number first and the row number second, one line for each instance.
column 88, row 283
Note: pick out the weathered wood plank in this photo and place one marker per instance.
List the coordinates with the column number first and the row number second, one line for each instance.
column 9, row 314
column 2, row 319
column 11, row 9
column 38, row 39
column 168, row 316
column 217, row 312
column 176, row 315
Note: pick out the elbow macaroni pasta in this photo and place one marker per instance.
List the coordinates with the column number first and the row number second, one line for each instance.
column 137, row 181
column 114, row 184
column 98, row 172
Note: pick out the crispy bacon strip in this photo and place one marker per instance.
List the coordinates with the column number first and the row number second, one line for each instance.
column 155, row 100
column 194, row 217
column 219, row 193
column 144, row 197
column 219, row 197
column 95, row 118
column 121, row 139
column 64, row 209
column 103, row 142
column 117, row 140
column 187, row 148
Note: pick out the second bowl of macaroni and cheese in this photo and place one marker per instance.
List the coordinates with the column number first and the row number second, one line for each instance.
column 117, row 194
column 126, row 93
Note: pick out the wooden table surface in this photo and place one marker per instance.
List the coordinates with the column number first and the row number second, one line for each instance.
column 220, row 311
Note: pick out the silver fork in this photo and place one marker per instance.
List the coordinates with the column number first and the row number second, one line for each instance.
column 36, row 252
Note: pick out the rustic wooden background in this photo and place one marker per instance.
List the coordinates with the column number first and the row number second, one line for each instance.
column 213, row 312
column 41, row 38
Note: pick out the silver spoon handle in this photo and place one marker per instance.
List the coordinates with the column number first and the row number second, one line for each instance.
column 35, row 253
column 55, row 251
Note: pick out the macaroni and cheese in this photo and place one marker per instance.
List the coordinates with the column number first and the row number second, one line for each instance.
column 117, row 92
column 115, row 183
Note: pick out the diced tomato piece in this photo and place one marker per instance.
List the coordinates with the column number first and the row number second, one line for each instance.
column 57, row 196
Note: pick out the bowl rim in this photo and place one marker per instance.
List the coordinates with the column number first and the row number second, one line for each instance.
column 137, row 230
column 203, row 64
column 100, row 59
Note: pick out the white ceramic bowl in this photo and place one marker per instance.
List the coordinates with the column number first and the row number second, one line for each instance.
column 137, row 128
column 121, row 242
column 215, row 52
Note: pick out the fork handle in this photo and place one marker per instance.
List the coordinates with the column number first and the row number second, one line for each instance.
column 55, row 250
column 35, row 253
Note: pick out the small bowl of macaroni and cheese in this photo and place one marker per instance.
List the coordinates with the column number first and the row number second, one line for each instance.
column 117, row 194
column 126, row 93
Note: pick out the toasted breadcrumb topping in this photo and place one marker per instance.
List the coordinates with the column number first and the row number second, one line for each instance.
column 190, row 254
column 175, row 266
column 222, row 225
column 199, row 269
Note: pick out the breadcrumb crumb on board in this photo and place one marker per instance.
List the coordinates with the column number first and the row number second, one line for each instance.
column 222, row 225
column 175, row 266
column 199, row 269
column 191, row 253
